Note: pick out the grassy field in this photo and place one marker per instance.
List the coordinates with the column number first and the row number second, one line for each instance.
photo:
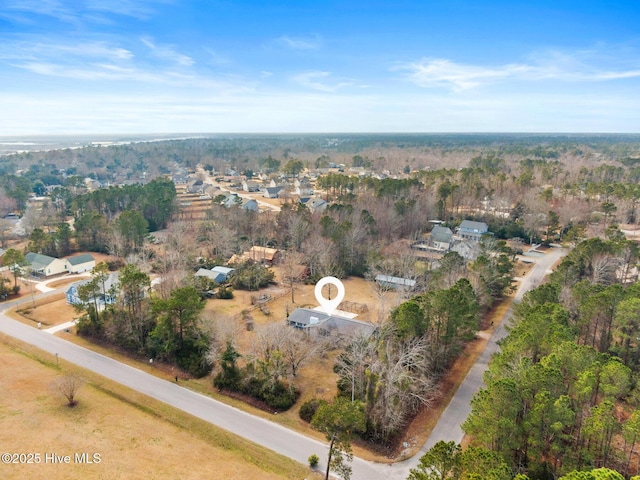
column 135, row 437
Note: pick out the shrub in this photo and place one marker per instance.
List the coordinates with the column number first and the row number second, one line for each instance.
column 313, row 460
column 225, row 293
column 308, row 409
column 116, row 264
column 251, row 276
column 280, row 396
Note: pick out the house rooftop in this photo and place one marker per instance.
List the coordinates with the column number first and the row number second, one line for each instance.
column 475, row 227
column 38, row 260
column 441, row 234
column 307, row 318
column 80, row 259
column 223, row 270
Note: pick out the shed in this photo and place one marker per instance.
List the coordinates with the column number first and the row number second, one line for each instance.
column 263, row 254
column 395, row 282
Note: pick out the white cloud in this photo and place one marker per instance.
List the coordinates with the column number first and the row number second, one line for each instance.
column 41, row 49
column 81, row 11
column 311, row 43
column 167, row 52
column 313, row 80
column 548, row 65
column 140, row 9
column 445, row 73
column 283, row 111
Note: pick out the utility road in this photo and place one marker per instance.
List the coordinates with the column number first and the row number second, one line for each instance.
column 271, row 435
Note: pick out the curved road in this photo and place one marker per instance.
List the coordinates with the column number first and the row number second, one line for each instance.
column 273, row 436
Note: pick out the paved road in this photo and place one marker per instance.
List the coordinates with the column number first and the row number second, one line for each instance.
column 273, row 436
column 449, row 425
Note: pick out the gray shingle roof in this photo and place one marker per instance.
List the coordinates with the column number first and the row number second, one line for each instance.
column 80, row 259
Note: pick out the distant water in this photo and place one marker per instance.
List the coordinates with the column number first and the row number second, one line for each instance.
column 19, row 144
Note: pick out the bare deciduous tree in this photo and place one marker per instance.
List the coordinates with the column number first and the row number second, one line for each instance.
column 283, row 348
column 292, row 270
column 403, row 383
column 68, row 386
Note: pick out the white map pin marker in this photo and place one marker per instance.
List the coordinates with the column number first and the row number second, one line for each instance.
column 329, row 306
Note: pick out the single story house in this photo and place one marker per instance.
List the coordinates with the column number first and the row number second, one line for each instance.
column 213, row 276
column 231, row 199
column 195, row 186
column 319, row 322
column 250, row 186
column 81, row 263
column 304, row 190
column 467, row 249
column 226, row 272
column 44, row 265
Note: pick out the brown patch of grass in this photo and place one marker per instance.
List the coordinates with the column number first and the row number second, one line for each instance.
column 50, row 311
column 522, row 269
column 137, row 437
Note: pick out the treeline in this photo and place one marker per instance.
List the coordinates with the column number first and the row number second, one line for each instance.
column 127, row 316
column 447, row 460
column 561, row 395
column 115, row 220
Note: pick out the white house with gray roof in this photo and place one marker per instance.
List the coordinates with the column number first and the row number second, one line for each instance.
column 44, row 265
column 81, row 263
column 474, row 231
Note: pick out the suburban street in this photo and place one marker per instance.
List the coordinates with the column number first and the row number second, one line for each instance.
column 271, row 435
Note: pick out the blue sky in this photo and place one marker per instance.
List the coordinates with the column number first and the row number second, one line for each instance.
column 142, row 66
